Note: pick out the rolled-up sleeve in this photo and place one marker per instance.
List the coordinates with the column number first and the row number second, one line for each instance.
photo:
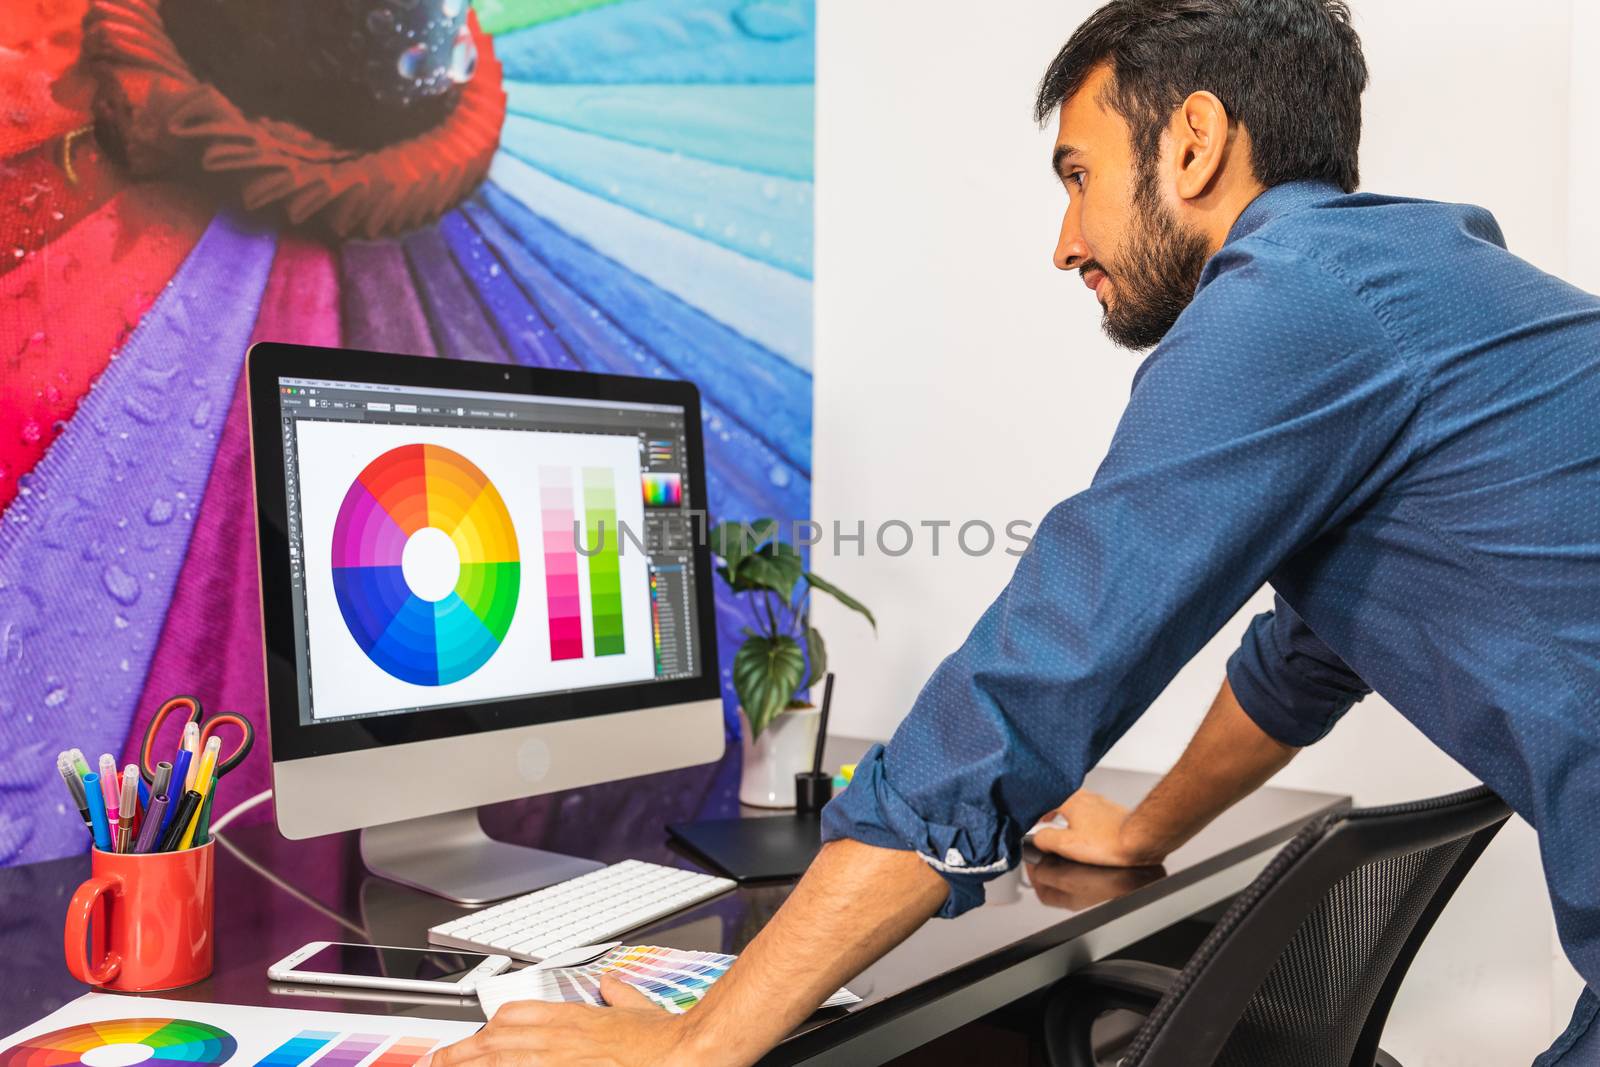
column 1291, row 684
column 1275, row 406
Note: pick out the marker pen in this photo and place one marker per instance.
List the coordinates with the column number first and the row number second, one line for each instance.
column 191, row 745
column 97, row 811
column 69, row 775
column 163, row 778
column 175, row 790
column 109, row 790
column 150, row 832
column 129, row 808
column 178, row 825
column 202, row 785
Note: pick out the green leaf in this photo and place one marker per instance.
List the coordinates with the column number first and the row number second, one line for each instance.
column 766, row 674
column 818, row 582
column 817, row 653
column 776, row 567
column 733, row 541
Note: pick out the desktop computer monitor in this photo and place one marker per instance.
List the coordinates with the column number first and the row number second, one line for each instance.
column 478, row 582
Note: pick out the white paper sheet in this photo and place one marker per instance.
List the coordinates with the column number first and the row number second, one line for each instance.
column 118, row 1031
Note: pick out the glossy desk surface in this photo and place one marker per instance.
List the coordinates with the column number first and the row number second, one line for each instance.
column 274, row 895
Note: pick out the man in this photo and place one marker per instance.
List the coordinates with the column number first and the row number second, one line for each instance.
column 1363, row 400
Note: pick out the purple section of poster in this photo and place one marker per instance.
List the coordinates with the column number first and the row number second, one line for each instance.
column 90, row 555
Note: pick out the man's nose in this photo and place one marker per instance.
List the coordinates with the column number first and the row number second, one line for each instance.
column 1071, row 250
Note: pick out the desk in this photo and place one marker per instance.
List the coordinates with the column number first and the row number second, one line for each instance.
column 274, row 895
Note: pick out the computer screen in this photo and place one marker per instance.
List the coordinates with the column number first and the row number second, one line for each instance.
column 451, row 548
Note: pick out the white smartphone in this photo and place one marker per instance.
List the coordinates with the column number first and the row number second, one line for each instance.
column 406, row 970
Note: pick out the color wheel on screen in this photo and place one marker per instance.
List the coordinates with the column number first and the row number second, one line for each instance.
column 425, row 564
column 123, row 1043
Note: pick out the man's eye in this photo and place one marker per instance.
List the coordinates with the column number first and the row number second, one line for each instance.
column 1075, row 179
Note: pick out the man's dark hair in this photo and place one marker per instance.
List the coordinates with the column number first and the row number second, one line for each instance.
column 1291, row 71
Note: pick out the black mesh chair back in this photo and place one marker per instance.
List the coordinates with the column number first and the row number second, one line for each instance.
column 1303, row 967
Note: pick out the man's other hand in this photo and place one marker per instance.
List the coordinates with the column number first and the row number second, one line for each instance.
column 1229, row 758
column 633, row 1032
column 1093, row 834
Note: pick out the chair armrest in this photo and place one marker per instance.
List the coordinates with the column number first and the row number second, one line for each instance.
column 1071, row 1008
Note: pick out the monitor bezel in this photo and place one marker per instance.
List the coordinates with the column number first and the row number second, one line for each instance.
column 265, row 363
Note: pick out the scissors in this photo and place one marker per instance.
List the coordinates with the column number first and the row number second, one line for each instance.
column 192, row 713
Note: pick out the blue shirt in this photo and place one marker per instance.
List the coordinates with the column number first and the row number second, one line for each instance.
column 1374, row 407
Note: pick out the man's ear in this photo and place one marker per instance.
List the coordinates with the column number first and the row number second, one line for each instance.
column 1200, row 132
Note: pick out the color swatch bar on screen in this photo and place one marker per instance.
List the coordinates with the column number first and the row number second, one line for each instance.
column 601, row 541
column 560, row 563
column 297, row 1050
column 662, row 490
column 655, row 617
column 405, row 1052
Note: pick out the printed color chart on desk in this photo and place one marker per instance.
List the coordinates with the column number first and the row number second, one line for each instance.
column 675, row 979
column 158, row 1042
column 404, row 1052
column 298, row 1049
column 107, row 1030
column 347, row 1050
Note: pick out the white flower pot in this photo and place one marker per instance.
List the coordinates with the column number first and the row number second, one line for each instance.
column 784, row 749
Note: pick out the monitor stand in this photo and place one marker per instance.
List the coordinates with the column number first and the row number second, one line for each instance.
column 450, row 856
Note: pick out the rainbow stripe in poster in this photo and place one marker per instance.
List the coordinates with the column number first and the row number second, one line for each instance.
column 662, row 490
column 175, row 1043
column 422, row 640
column 560, row 563
column 602, row 540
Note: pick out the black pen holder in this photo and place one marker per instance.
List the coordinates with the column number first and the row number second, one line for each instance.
column 812, row 790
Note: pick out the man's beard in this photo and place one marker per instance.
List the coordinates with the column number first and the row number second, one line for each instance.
column 1156, row 277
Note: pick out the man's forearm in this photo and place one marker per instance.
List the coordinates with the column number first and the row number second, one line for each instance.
column 854, row 904
column 1229, row 758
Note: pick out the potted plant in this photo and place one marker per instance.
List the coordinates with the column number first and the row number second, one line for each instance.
column 777, row 660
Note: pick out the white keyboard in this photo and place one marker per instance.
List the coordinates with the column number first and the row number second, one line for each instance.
column 591, row 908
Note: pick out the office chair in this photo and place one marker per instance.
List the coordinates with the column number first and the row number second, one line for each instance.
column 1302, row 968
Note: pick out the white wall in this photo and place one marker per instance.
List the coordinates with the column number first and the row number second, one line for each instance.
column 959, row 376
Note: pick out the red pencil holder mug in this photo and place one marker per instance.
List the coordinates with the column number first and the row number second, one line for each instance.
column 143, row 921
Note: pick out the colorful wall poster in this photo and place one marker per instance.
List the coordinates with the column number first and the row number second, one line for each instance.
column 620, row 186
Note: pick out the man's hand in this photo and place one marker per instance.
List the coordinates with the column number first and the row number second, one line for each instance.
column 1093, row 834
column 633, row 1032
column 1229, row 757
column 854, row 904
